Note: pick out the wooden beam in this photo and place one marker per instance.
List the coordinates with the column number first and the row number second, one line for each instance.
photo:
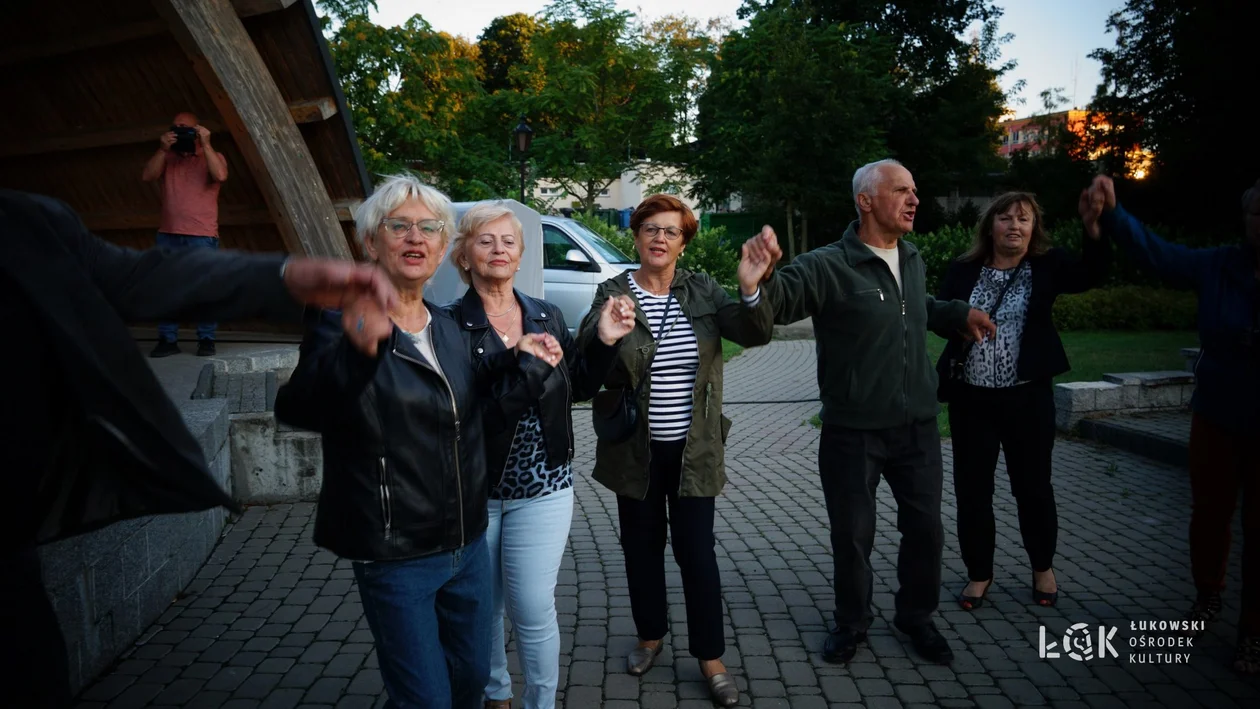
column 345, row 209
column 249, row 8
column 119, row 221
column 249, row 102
column 109, row 35
column 87, row 139
column 314, row 110
column 305, row 111
column 71, row 42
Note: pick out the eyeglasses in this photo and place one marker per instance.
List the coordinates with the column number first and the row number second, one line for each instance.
column 430, row 229
column 651, row 230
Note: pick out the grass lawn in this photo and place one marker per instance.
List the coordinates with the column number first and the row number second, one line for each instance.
column 1093, row 354
column 729, row 350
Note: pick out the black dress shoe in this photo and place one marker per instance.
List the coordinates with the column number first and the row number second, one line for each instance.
column 164, row 348
column 929, row 643
column 841, row 645
column 205, row 347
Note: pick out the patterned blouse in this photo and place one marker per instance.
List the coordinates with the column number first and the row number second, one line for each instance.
column 526, row 475
column 994, row 363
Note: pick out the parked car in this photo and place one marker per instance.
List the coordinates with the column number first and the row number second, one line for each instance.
column 575, row 261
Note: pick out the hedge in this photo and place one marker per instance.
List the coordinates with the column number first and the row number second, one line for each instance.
column 1127, row 308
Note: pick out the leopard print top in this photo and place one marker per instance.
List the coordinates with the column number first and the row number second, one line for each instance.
column 995, row 363
column 526, row 475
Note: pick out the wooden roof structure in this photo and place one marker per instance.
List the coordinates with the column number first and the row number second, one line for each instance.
column 89, row 87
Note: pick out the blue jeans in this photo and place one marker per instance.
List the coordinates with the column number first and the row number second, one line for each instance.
column 526, row 540
column 169, row 331
column 430, row 618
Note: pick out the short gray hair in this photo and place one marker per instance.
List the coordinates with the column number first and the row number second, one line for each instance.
column 390, row 194
column 474, row 220
column 866, row 178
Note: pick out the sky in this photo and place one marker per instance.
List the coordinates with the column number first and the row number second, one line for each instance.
column 1051, row 43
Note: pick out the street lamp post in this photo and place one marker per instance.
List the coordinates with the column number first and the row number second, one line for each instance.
column 524, row 136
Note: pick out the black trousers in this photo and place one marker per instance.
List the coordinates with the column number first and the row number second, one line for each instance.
column 690, row 521
column 33, row 667
column 1019, row 420
column 850, row 463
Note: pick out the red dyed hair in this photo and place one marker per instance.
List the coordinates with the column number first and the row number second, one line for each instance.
column 660, row 203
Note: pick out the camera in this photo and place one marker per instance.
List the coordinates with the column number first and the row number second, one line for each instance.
column 185, row 140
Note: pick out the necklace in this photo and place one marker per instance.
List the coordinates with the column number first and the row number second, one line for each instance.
column 649, row 290
column 505, row 312
column 503, row 335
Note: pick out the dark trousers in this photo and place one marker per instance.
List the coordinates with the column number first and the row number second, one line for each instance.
column 1020, row 421
column 850, row 463
column 169, row 331
column 690, row 522
column 33, row 668
column 1220, row 464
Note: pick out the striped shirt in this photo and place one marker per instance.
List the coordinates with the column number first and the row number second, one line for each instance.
column 674, row 367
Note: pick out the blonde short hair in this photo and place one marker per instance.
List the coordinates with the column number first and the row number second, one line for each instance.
column 473, row 221
column 390, row 194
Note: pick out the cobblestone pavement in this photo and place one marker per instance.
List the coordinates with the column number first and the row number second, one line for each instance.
column 274, row 622
column 1171, row 426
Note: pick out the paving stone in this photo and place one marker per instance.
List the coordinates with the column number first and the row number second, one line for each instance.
column 272, row 621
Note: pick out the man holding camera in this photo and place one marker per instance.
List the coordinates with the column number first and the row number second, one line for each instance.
column 191, row 172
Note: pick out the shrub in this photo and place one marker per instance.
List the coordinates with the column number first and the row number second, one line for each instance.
column 1126, row 308
column 939, row 248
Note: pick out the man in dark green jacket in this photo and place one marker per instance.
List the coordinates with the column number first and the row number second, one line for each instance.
column 870, row 308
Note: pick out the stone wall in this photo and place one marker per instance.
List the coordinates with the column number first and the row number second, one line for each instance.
column 109, row 586
column 1121, row 394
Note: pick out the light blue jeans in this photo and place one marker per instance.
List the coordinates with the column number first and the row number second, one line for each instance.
column 526, row 539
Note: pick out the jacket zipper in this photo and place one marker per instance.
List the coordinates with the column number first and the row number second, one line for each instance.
column 386, row 506
column 905, row 360
column 459, row 480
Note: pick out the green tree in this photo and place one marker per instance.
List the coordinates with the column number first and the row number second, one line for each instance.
column 1171, row 84
column 504, row 49
column 791, row 109
column 596, row 114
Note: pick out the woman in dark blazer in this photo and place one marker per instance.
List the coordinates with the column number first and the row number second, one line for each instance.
column 999, row 389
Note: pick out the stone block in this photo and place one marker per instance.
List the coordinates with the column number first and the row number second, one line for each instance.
column 270, row 466
column 1161, row 397
column 1079, row 397
column 1108, row 397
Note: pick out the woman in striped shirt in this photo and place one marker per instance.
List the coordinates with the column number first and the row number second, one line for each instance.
column 668, row 473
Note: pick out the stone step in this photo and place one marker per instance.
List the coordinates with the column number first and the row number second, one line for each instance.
column 1162, row 436
column 273, row 463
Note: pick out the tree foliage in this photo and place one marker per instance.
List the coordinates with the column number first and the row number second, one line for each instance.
column 1172, row 83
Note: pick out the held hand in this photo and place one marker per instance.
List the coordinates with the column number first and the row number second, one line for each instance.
column 167, row 139
column 366, row 324
column 1090, row 207
column 329, row 283
column 1106, row 188
column 542, row 346
column 616, row 319
column 203, row 134
column 978, row 326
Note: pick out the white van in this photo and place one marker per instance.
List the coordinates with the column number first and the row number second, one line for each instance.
column 575, row 261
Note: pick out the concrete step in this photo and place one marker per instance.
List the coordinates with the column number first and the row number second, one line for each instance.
column 1162, row 436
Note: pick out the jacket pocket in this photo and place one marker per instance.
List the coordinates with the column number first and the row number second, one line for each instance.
column 387, row 504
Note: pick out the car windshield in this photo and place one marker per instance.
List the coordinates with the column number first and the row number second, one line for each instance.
column 610, row 253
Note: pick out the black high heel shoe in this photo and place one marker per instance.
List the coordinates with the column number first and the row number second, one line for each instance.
column 970, row 603
column 1041, row 598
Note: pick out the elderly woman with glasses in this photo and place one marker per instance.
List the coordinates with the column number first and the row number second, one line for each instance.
column 402, row 406
column 531, row 460
column 668, row 468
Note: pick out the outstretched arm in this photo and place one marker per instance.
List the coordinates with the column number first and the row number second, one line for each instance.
column 1178, row 265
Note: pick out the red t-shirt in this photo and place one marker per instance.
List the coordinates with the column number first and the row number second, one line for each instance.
column 190, row 196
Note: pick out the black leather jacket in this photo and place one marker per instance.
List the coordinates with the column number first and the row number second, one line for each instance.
column 578, row 380
column 404, row 450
